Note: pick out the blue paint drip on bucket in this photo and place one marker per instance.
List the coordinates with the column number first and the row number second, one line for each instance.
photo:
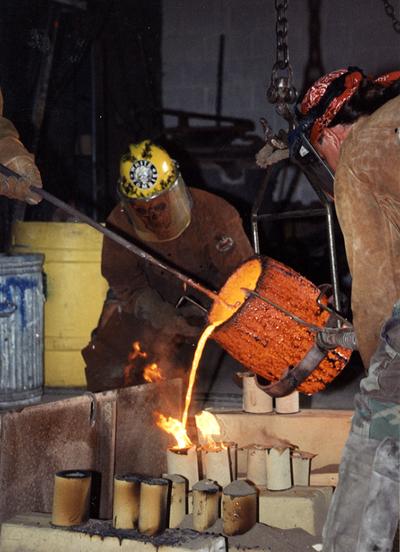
column 21, row 330
column 20, row 285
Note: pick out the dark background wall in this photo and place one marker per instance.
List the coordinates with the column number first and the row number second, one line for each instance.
column 93, row 68
column 355, row 32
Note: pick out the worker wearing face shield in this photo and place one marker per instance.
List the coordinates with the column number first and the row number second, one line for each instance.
column 192, row 230
column 353, row 121
column 15, row 156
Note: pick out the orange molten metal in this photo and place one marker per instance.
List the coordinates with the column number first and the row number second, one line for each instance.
column 262, row 337
column 195, row 364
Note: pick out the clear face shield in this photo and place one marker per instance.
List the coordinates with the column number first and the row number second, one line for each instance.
column 162, row 217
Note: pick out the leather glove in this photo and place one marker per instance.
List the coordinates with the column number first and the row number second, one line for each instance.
column 162, row 316
column 14, row 156
column 269, row 156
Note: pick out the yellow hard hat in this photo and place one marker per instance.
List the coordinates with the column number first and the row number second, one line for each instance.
column 146, row 171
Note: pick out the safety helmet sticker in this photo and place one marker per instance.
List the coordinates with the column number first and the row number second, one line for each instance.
column 143, row 174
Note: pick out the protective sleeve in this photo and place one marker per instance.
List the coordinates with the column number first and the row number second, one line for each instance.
column 228, row 245
column 10, row 146
column 15, row 156
column 121, row 268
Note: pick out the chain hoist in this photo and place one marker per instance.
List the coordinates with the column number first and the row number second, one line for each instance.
column 389, row 9
column 281, row 90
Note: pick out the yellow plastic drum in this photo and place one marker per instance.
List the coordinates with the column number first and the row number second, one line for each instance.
column 75, row 291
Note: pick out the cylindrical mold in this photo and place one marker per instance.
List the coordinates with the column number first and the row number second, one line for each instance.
column 301, row 467
column 288, row 404
column 190, row 502
column 153, row 505
column 178, row 499
column 278, row 469
column 21, row 330
column 217, row 466
column 233, row 453
column 205, row 504
column 239, row 507
column 184, row 462
column 257, row 329
column 126, row 501
column 241, row 461
column 72, row 262
column 254, row 399
column 257, row 464
column 71, row 497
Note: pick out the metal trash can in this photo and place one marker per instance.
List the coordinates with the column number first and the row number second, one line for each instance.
column 21, row 330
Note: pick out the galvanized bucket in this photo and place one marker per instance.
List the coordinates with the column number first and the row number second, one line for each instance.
column 21, row 330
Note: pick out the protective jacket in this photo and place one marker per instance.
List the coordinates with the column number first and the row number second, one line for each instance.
column 209, row 250
column 367, row 196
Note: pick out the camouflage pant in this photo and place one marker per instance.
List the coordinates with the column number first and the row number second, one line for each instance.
column 377, row 408
column 364, row 512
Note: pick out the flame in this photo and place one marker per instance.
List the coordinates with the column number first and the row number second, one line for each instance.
column 175, row 428
column 135, row 353
column 208, row 427
column 152, row 373
column 195, row 364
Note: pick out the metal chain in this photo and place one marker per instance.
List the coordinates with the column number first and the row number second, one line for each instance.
column 281, row 90
column 389, row 9
column 282, row 50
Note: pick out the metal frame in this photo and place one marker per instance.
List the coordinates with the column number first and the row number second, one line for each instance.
column 326, row 200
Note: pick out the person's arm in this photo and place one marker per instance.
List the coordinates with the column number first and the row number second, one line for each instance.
column 16, row 157
column 125, row 275
column 229, row 245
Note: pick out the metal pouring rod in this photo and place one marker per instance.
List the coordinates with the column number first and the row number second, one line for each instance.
column 112, row 235
column 122, row 241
